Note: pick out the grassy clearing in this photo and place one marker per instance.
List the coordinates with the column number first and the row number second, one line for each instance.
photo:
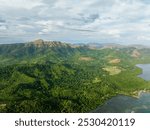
column 86, row 58
column 115, row 61
column 113, row 70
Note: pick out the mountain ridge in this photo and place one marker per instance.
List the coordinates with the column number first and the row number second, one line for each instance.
column 41, row 42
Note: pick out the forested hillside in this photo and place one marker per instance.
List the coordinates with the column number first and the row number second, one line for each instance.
column 42, row 76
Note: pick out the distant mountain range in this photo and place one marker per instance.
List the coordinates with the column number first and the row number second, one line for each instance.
column 40, row 43
column 111, row 45
column 44, row 49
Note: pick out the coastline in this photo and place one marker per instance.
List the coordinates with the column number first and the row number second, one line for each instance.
column 137, row 94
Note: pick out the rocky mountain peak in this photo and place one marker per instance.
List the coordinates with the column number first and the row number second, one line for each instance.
column 38, row 42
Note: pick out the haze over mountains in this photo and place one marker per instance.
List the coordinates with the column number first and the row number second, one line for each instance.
column 41, row 42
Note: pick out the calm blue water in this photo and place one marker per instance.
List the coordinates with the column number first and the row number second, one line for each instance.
column 146, row 71
column 122, row 104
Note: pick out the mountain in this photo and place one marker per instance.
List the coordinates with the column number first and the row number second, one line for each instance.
column 42, row 43
column 137, row 46
column 30, row 48
column 101, row 45
column 36, row 51
column 51, row 76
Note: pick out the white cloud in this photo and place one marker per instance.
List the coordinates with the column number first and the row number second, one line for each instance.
column 20, row 4
column 23, row 26
column 147, row 38
column 3, row 28
column 111, row 32
column 76, row 20
column 49, row 26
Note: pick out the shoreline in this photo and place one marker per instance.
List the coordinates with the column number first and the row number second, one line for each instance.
column 137, row 94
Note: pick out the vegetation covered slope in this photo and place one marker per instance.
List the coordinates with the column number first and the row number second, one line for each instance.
column 58, row 77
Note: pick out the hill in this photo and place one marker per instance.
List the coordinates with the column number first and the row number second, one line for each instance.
column 51, row 76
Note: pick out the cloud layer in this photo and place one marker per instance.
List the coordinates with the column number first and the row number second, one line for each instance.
column 121, row 21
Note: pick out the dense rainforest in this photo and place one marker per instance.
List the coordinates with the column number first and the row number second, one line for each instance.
column 42, row 76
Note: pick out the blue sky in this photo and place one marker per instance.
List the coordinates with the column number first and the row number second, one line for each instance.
column 77, row 21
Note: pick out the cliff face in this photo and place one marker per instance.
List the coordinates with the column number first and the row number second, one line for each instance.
column 41, row 43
